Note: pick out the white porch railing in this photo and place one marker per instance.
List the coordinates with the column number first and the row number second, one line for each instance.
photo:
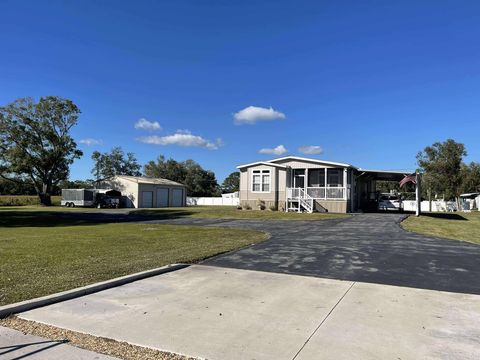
column 301, row 198
column 325, row 193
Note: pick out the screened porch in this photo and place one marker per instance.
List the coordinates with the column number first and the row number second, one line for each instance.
column 322, row 184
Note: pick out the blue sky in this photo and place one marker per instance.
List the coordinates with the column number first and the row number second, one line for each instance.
column 371, row 83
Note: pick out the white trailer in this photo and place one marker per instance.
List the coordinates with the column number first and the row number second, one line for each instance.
column 78, row 197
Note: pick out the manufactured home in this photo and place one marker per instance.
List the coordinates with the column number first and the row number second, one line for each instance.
column 301, row 184
column 145, row 192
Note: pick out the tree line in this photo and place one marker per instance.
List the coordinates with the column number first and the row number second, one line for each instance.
column 445, row 173
column 37, row 149
column 199, row 182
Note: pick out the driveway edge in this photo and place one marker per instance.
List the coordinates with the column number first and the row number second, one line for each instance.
column 26, row 305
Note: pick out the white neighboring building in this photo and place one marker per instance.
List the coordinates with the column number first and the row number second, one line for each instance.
column 144, row 192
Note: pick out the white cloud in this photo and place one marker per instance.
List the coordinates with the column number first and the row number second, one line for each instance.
column 182, row 138
column 90, row 141
column 250, row 115
column 144, row 124
column 310, row 149
column 279, row 150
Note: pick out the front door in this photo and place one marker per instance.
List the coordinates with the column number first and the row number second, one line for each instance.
column 299, row 178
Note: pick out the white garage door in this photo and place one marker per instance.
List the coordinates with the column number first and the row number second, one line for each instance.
column 162, row 197
column 177, row 197
column 147, row 199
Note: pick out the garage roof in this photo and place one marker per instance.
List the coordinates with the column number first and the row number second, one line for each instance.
column 149, row 180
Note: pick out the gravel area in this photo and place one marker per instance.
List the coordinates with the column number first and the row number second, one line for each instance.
column 97, row 344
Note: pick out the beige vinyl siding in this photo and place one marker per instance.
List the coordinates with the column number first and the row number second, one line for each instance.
column 334, row 206
column 280, row 179
column 247, row 196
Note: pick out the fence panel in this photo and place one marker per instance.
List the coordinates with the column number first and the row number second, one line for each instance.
column 213, row 201
column 437, row 206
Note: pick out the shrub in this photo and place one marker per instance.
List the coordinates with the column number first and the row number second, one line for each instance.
column 239, row 207
column 247, row 207
column 273, row 208
column 261, row 204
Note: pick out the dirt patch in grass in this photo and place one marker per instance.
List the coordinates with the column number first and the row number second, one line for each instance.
column 97, row 344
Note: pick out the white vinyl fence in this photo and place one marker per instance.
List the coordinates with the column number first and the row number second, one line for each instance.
column 216, row 201
column 437, row 206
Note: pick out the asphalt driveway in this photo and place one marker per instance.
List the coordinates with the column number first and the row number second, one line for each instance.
column 366, row 247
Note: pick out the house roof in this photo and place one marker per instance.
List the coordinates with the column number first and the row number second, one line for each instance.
column 391, row 175
column 298, row 158
column 268, row 163
column 149, row 180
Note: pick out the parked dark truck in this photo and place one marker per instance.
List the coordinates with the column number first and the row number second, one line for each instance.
column 99, row 198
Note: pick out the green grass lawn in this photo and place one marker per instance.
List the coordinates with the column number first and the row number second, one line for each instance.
column 206, row 212
column 231, row 212
column 41, row 253
column 457, row 226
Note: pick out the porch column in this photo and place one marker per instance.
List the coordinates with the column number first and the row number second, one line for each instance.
column 326, row 184
column 305, row 184
column 352, row 192
column 344, row 184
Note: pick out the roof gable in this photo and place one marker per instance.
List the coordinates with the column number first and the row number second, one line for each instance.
column 316, row 161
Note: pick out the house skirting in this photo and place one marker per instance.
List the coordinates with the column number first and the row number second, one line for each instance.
column 334, row 206
column 278, row 205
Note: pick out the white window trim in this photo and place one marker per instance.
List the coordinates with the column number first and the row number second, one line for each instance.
column 262, row 172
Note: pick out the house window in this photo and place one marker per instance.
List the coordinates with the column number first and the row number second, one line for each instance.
column 316, row 178
column 261, row 181
column 335, row 177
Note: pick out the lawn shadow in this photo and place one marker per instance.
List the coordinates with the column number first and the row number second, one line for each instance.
column 45, row 218
column 40, row 219
column 445, row 216
column 162, row 213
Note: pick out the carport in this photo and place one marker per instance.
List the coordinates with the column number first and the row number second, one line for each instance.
column 365, row 187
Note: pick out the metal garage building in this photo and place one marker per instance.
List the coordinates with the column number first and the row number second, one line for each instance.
column 144, row 192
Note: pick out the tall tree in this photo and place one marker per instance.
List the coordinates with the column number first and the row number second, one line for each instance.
column 35, row 142
column 199, row 182
column 470, row 175
column 231, row 183
column 16, row 186
column 441, row 164
column 166, row 169
column 114, row 163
